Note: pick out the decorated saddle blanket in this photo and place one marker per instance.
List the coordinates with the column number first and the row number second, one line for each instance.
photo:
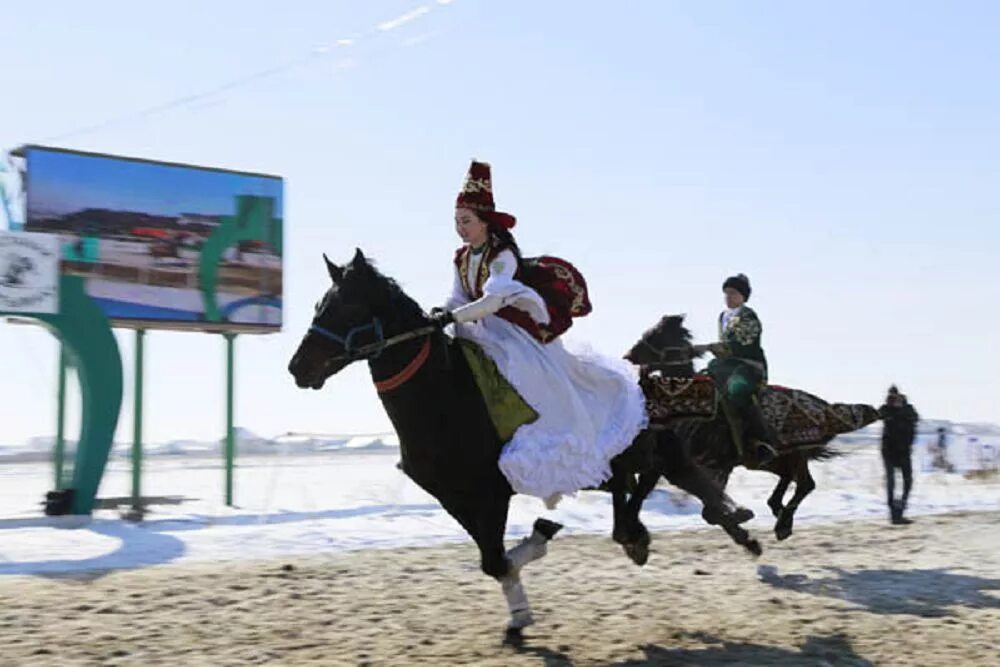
column 508, row 411
column 799, row 417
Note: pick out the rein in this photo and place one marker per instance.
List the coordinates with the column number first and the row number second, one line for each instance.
column 374, row 350
column 661, row 353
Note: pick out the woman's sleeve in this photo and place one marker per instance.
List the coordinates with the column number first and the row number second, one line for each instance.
column 458, row 296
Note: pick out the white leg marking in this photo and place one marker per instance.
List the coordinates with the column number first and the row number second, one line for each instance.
column 529, row 549
column 517, row 601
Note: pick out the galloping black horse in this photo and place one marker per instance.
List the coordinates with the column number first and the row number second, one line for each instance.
column 448, row 443
column 668, row 345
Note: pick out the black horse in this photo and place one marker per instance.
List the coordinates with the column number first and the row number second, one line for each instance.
column 668, row 346
column 448, row 443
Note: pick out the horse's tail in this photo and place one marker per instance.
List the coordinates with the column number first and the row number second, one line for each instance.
column 820, row 451
column 824, row 453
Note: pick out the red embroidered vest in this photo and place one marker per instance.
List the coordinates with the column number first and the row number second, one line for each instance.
column 558, row 282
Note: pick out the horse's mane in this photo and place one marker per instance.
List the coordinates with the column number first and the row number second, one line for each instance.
column 381, row 288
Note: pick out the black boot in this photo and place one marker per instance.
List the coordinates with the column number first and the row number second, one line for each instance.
column 761, row 436
column 897, row 514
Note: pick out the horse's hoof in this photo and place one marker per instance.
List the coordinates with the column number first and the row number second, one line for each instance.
column 753, row 546
column 547, row 528
column 638, row 548
column 742, row 515
column 638, row 552
column 519, row 621
column 782, row 532
column 513, row 637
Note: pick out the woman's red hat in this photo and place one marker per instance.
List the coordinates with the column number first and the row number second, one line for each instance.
column 477, row 195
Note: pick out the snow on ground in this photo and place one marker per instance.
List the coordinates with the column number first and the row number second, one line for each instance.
column 350, row 495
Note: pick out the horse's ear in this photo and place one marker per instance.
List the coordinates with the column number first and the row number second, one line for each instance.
column 359, row 263
column 336, row 273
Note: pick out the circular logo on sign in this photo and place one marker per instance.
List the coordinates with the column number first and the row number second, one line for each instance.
column 25, row 278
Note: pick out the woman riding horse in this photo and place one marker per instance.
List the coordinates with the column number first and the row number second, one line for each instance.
column 590, row 408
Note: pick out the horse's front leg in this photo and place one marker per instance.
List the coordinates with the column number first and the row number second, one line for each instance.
column 529, row 549
column 506, row 566
column 681, row 470
column 718, row 508
column 804, row 485
column 617, row 486
column 637, row 547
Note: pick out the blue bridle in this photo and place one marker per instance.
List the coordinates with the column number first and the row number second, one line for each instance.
column 350, row 351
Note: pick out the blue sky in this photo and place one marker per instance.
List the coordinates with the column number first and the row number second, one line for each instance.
column 67, row 182
column 842, row 154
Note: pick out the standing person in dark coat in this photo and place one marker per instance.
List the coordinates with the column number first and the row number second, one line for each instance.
column 899, row 430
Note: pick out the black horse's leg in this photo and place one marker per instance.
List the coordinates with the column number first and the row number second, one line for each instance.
column 485, row 519
column 637, row 545
column 719, row 509
column 505, row 566
column 804, row 485
column 782, row 468
column 617, row 486
column 682, row 471
column 485, row 524
column 490, row 525
column 628, row 494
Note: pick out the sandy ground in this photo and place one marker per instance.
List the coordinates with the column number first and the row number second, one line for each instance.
column 860, row 593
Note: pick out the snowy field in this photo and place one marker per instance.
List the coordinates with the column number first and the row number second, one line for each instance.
column 353, row 497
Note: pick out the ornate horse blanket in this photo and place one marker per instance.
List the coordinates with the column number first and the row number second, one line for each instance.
column 798, row 416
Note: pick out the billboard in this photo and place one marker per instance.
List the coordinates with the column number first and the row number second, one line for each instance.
column 162, row 245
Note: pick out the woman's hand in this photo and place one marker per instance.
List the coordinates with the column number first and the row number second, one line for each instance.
column 441, row 318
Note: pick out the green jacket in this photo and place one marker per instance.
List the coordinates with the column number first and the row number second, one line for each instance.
column 740, row 340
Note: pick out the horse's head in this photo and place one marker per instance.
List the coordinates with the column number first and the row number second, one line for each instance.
column 348, row 317
column 668, row 344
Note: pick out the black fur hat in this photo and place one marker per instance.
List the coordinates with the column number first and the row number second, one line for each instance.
column 740, row 283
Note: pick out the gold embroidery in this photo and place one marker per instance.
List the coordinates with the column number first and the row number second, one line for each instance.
column 477, row 185
column 463, row 271
column 484, row 269
column 578, row 292
column 746, row 331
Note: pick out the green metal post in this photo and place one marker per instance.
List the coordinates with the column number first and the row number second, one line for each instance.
column 91, row 348
column 230, row 435
column 137, row 424
column 60, row 453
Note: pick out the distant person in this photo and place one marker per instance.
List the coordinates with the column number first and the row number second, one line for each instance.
column 941, row 451
column 899, row 429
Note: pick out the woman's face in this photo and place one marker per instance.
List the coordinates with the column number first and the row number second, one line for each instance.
column 733, row 298
column 470, row 228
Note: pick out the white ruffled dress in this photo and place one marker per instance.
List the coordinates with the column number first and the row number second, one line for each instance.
column 590, row 406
